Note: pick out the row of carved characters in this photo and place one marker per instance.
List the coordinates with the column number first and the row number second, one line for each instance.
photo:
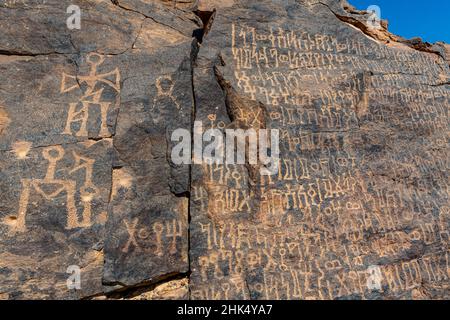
column 277, row 47
column 427, row 171
column 332, row 205
column 350, row 218
column 162, row 238
column 413, row 116
column 276, row 88
column 293, row 82
column 377, row 209
column 428, row 112
column 424, row 119
column 409, row 116
column 423, row 126
column 348, row 81
column 225, row 187
column 317, row 61
column 432, row 164
column 411, row 111
column 324, row 164
column 346, row 221
column 225, row 175
column 438, row 97
column 297, row 96
column 307, row 62
column 298, row 168
column 289, row 169
column 328, row 118
column 309, row 118
column 422, row 197
column 420, row 86
column 293, row 79
column 314, row 141
column 275, row 37
column 311, row 280
column 221, row 263
column 223, row 200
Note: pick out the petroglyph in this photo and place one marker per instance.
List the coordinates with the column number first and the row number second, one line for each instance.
column 165, row 86
column 344, row 105
column 92, row 96
column 51, row 187
column 356, row 209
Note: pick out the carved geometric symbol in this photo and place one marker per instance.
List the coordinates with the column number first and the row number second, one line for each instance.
column 49, row 188
column 90, row 97
column 165, row 86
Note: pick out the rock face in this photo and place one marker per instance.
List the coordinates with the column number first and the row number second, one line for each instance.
column 85, row 179
column 358, row 207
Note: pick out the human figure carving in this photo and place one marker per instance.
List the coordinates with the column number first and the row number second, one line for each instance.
column 165, row 86
column 88, row 190
column 90, row 97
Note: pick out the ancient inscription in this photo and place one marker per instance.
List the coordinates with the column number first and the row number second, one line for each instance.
column 329, row 224
column 51, row 187
column 161, row 233
column 92, row 96
column 165, row 86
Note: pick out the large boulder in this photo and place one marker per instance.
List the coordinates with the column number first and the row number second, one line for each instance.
column 356, row 207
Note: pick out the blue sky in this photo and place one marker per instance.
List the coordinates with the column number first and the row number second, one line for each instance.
column 429, row 20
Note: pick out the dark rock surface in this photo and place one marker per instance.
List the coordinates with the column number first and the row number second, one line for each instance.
column 86, row 179
column 358, row 209
column 363, row 179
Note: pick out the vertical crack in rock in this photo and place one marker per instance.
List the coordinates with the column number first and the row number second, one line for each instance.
column 194, row 53
column 88, row 181
column 236, row 104
column 207, row 18
column 199, row 34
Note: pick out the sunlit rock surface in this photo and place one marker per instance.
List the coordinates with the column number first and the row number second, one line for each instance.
column 358, row 208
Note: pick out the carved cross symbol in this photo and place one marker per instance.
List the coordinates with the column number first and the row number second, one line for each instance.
column 90, row 97
column 112, row 78
column 131, row 229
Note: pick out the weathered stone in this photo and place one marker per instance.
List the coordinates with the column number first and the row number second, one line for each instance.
column 149, row 221
column 211, row 5
column 86, row 117
column 54, row 204
column 173, row 290
column 358, row 208
column 177, row 289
